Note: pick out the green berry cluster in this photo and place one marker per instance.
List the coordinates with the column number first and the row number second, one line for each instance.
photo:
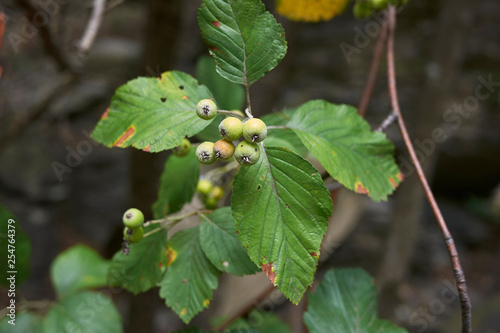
column 133, row 232
column 231, row 129
column 210, row 194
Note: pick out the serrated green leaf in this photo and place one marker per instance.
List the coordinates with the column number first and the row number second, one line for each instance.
column 346, row 301
column 281, row 209
column 190, row 278
column 153, row 114
column 341, row 140
column 143, row 267
column 79, row 267
column 280, row 138
column 84, row 312
column 221, row 245
column 25, row 322
column 244, row 38
column 177, row 184
column 15, row 249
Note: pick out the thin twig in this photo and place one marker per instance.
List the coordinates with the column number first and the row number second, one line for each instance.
column 387, row 121
column 232, row 113
column 49, row 44
column 92, row 26
column 372, row 76
column 455, row 261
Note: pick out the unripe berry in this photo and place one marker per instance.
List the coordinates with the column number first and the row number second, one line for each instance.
column 133, row 235
column 211, row 203
column 254, row 130
column 217, row 192
column 223, row 149
column 183, row 148
column 206, row 109
column 133, row 218
column 247, row 153
column 205, row 153
column 231, row 128
column 204, row 186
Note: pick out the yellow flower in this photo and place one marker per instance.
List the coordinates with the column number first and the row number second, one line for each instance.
column 310, row 10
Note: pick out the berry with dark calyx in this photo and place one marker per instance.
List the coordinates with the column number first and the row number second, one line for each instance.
column 133, row 218
column 182, row 149
column 205, row 153
column 254, row 130
column 133, row 235
column 206, row 109
column 217, row 192
column 204, row 186
column 247, row 153
column 231, row 128
column 223, row 149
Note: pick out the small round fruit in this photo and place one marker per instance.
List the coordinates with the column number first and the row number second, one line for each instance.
column 133, row 218
column 247, row 153
column 182, row 149
column 133, row 235
column 211, row 203
column 231, row 128
column 223, row 149
column 204, row 186
column 206, row 109
column 205, row 153
column 378, row 4
column 217, row 192
column 254, row 130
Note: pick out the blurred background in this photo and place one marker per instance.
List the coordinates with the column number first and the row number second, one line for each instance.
column 448, row 73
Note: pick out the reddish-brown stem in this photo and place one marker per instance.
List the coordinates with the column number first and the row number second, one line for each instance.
column 246, row 309
column 455, row 261
column 372, row 75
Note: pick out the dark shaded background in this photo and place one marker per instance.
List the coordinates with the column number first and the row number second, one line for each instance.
column 442, row 49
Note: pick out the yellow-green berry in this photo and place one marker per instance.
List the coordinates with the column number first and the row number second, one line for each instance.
column 247, row 153
column 211, row 202
column 206, row 109
column 205, row 153
column 217, row 192
column 254, row 130
column 182, row 149
column 204, row 186
column 133, row 218
column 231, row 128
column 133, row 235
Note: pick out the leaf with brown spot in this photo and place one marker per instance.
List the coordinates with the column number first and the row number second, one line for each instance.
column 158, row 124
column 190, row 279
column 268, row 269
column 285, row 220
column 244, row 38
column 363, row 159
